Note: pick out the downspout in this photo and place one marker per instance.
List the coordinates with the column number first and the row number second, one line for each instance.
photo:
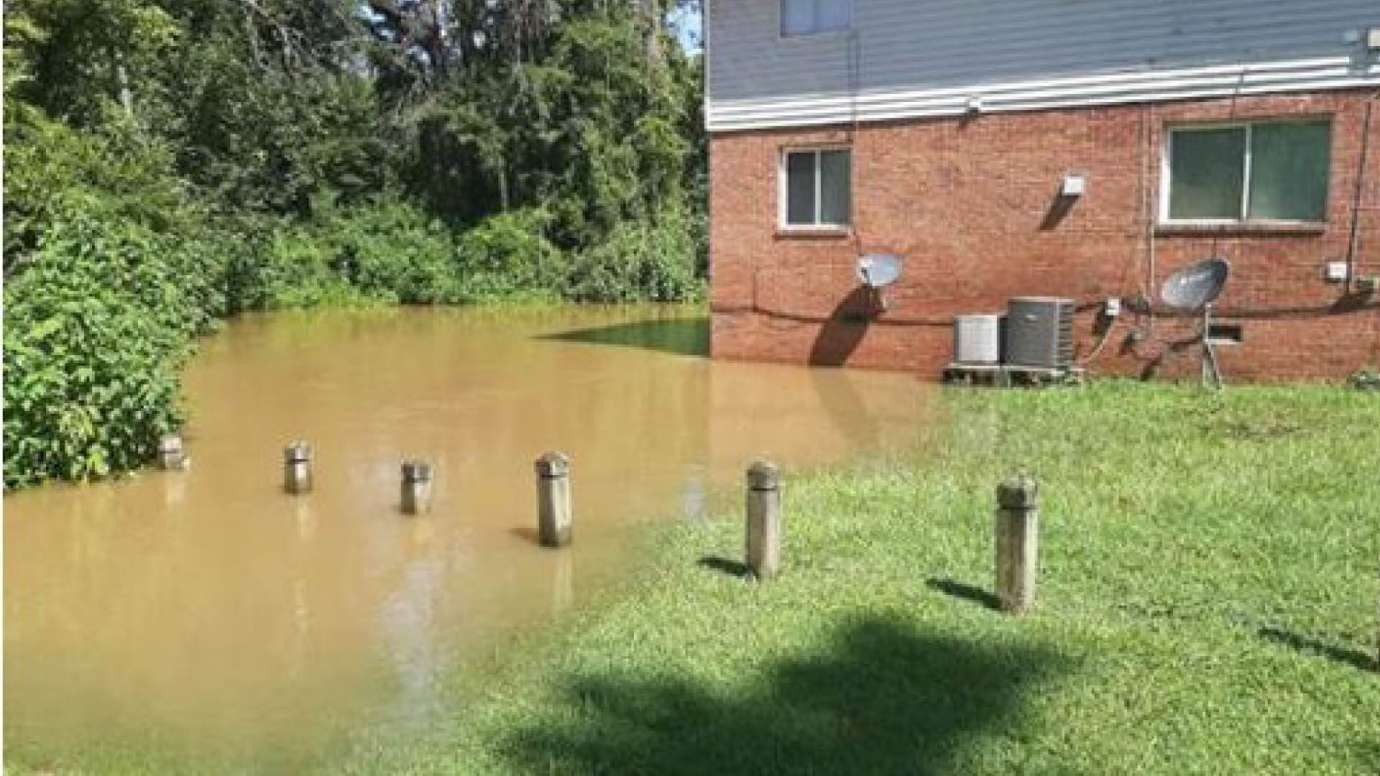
column 1354, row 244
column 853, row 52
column 1151, row 198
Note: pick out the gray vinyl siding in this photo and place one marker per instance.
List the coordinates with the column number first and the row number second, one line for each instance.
column 908, row 47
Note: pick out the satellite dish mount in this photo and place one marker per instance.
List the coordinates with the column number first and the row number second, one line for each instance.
column 876, row 271
column 1194, row 289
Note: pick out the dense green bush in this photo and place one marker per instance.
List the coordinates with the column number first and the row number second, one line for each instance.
column 392, row 252
column 640, row 261
column 96, row 329
column 51, row 169
column 508, row 256
column 385, row 253
column 297, row 268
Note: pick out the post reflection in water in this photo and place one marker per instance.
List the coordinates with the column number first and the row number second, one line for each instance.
column 209, row 607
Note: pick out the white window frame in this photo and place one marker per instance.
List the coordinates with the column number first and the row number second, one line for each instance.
column 1166, row 166
column 783, row 189
column 814, row 30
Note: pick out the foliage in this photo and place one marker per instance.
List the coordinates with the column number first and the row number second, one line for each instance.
column 392, row 252
column 95, row 332
column 290, row 153
column 52, row 169
column 639, row 261
column 79, row 60
column 297, row 269
column 507, row 256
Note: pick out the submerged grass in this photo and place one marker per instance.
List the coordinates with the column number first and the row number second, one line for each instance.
column 1207, row 605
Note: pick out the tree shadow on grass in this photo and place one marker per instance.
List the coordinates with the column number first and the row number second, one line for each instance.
column 681, row 336
column 881, row 697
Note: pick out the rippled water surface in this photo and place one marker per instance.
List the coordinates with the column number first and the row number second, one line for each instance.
column 207, row 610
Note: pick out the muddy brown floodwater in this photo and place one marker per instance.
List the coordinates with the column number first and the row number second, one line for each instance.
column 209, row 612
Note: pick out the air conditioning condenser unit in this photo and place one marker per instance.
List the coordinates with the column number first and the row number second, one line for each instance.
column 977, row 339
column 1039, row 332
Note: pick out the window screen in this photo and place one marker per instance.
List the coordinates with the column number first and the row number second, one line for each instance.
column 818, row 187
column 834, row 177
column 800, row 188
column 1259, row 171
column 1289, row 171
column 1206, row 174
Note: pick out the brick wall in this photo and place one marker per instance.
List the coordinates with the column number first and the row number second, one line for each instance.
column 970, row 205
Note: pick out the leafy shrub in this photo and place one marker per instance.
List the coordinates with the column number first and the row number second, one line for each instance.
column 394, row 252
column 298, row 268
column 508, row 256
column 387, row 253
column 640, row 262
column 96, row 329
column 51, row 169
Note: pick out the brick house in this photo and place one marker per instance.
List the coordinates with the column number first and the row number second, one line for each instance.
column 943, row 131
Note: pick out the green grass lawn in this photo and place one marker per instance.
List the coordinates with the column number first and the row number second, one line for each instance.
column 1207, row 604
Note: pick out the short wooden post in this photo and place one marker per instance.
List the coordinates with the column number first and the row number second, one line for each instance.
column 416, row 487
column 1017, row 542
column 171, row 454
column 763, row 519
column 554, row 516
column 297, row 468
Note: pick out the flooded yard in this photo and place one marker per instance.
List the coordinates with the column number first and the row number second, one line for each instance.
column 209, row 612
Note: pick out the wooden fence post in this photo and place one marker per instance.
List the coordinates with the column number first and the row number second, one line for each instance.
column 171, row 454
column 764, row 519
column 554, row 516
column 416, row 487
column 297, row 468
column 1017, row 542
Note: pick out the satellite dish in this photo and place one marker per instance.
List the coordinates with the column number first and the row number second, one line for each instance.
column 1195, row 287
column 879, row 270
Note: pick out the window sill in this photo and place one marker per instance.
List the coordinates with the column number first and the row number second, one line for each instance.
column 1242, row 228
column 822, row 233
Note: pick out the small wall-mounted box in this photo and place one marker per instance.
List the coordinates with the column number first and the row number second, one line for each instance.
column 1373, row 39
column 1112, row 307
column 1336, row 272
column 1074, row 186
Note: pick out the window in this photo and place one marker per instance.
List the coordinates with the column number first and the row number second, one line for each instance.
column 1275, row 171
column 816, row 188
column 807, row 17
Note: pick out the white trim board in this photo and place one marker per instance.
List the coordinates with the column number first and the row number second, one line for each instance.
column 1283, row 76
